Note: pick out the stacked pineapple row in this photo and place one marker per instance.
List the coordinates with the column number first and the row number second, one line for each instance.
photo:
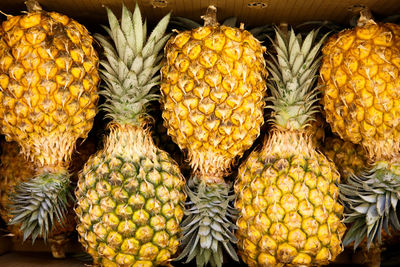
column 133, row 206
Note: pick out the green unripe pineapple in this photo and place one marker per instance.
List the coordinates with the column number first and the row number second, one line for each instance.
column 130, row 194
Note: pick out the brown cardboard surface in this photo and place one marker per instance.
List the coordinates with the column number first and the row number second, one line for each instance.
column 251, row 12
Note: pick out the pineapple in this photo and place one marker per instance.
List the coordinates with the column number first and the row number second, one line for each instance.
column 16, row 168
column 360, row 81
column 48, row 96
column 130, row 194
column 350, row 159
column 287, row 192
column 213, row 88
column 360, row 77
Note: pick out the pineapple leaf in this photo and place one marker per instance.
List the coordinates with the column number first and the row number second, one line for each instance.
column 293, row 50
column 217, row 236
column 367, row 198
column 126, row 22
column 393, row 200
column 189, row 248
column 394, row 220
column 159, row 31
column 217, row 257
column 114, row 25
column 380, row 204
column 363, row 208
column 307, row 43
column 195, row 251
column 144, row 31
column 360, row 236
column 138, row 29
column 122, row 70
column 182, row 23
column 149, row 48
column 230, row 249
column 161, row 43
column 137, row 65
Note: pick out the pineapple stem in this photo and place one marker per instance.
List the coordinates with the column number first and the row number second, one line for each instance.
column 57, row 245
column 365, row 17
column 210, row 18
column 33, row 5
column 7, row 15
column 50, row 169
column 212, row 178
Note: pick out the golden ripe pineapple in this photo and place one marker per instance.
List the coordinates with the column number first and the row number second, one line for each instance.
column 130, row 194
column 287, row 192
column 360, row 77
column 48, row 96
column 213, row 88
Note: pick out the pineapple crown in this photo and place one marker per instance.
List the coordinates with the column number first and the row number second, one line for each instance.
column 39, row 202
column 293, row 71
column 131, row 68
column 371, row 203
column 208, row 227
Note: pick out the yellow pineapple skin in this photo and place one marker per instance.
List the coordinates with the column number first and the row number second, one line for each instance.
column 360, row 78
column 130, row 202
column 213, row 88
column 288, row 202
column 48, row 84
column 349, row 158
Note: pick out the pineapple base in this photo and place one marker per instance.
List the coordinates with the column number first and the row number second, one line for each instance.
column 360, row 67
